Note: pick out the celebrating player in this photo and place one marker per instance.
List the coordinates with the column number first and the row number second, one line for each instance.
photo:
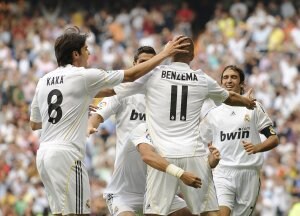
column 235, row 132
column 174, row 97
column 60, row 109
column 125, row 192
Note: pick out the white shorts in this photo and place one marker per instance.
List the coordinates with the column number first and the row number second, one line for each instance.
column 238, row 189
column 134, row 203
column 65, row 180
column 162, row 187
column 124, row 203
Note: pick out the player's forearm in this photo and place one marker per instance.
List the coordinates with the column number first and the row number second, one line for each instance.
column 270, row 143
column 95, row 120
column 156, row 161
column 35, row 125
column 105, row 93
column 235, row 99
column 150, row 157
column 141, row 69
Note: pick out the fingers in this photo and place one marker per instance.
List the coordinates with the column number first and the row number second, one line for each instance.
column 180, row 38
column 92, row 108
column 217, row 154
column 249, row 148
column 197, row 183
column 211, row 148
column 92, row 130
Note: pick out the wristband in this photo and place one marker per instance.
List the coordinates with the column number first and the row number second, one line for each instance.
column 174, row 170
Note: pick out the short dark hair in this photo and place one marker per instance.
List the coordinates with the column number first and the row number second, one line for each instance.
column 143, row 49
column 238, row 70
column 71, row 40
column 189, row 55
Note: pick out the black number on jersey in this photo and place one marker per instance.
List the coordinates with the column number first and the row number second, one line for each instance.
column 173, row 106
column 54, row 100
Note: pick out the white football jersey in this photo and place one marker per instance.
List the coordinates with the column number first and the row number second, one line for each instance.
column 61, row 103
column 129, row 111
column 174, row 97
column 129, row 176
column 227, row 126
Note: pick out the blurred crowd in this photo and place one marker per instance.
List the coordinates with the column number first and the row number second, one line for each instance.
column 261, row 37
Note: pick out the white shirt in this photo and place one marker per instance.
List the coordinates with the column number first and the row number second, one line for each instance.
column 227, row 126
column 174, row 97
column 61, row 103
column 129, row 112
column 129, row 176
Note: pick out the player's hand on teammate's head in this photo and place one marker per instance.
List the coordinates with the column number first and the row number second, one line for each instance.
column 190, row 179
column 175, row 46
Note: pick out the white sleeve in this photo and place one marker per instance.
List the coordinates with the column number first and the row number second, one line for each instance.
column 206, row 133
column 262, row 119
column 131, row 88
column 215, row 91
column 141, row 135
column 35, row 114
column 206, row 107
column 96, row 79
column 108, row 107
column 127, row 89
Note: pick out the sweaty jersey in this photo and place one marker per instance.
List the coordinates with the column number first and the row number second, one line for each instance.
column 174, row 97
column 61, row 103
column 227, row 126
column 129, row 111
column 130, row 176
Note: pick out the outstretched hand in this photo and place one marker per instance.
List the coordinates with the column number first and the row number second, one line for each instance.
column 249, row 96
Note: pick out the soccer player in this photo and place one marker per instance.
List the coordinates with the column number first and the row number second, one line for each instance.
column 235, row 131
column 125, row 192
column 174, row 97
column 60, row 109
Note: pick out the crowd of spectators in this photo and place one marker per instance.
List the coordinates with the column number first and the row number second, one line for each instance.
column 262, row 38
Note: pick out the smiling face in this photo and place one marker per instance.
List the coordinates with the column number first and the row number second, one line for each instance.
column 231, row 81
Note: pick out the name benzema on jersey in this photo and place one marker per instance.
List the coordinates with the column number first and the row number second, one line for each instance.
column 173, row 75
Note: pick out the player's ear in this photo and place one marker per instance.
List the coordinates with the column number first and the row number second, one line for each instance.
column 75, row 54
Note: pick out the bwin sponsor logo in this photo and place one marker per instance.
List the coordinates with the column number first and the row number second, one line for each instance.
column 137, row 116
column 240, row 134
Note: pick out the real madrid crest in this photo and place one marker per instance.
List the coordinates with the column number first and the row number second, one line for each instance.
column 247, row 118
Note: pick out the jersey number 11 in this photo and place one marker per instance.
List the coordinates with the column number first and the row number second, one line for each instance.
column 173, row 105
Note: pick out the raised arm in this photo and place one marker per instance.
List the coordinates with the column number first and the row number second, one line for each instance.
column 153, row 159
column 235, row 99
column 94, row 121
column 171, row 48
column 106, row 108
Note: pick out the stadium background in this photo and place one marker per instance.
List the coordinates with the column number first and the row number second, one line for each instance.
column 262, row 37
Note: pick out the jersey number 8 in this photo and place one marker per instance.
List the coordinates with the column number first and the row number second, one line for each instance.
column 54, row 100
